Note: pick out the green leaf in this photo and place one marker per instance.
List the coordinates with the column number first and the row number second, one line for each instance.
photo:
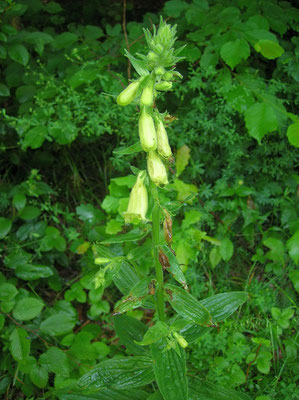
column 182, row 159
column 269, row 49
column 31, row 272
column 55, row 360
column 92, row 32
column 53, row 8
column 134, row 235
column 170, row 371
column 106, row 394
column 59, row 324
column 214, row 257
column 155, row 333
column 135, row 148
column 293, row 134
column 35, row 137
column 19, row 201
column 39, row 376
column 5, row 226
column 277, row 250
column 187, row 306
column 175, row 268
column 264, row 361
column 203, row 390
column 19, row 344
column 294, row 276
column 7, row 291
column 27, row 309
column 235, row 51
column 137, row 295
column 18, row 53
column 226, row 249
column 260, row 119
column 222, row 305
column 130, row 330
column 4, row 90
column 140, row 66
column 125, row 277
column 174, row 8
column 29, row 212
column 84, row 75
column 88, row 213
column 293, row 247
column 64, row 40
column 121, row 373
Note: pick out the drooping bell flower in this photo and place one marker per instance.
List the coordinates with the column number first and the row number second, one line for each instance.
column 162, row 141
column 147, row 131
column 138, row 202
column 156, row 169
column 128, row 94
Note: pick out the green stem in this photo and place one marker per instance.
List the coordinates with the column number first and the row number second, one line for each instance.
column 158, row 266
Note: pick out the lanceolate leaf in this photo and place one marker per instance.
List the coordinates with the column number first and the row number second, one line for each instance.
column 260, row 119
column 187, row 306
column 135, row 148
column 138, row 294
column 135, row 234
column 119, row 373
column 106, row 394
column 170, row 371
column 200, row 389
column 130, row 330
column 222, row 305
column 175, row 268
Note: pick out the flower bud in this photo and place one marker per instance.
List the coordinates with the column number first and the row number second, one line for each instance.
column 181, row 340
column 147, row 97
column 160, row 71
column 101, row 260
column 156, row 169
column 128, row 94
column 162, row 141
column 147, row 131
column 163, row 86
column 138, row 201
column 167, row 76
column 152, row 57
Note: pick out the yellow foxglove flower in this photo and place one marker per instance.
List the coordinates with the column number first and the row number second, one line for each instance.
column 181, row 340
column 147, row 131
column 147, row 97
column 162, row 141
column 156, row 169
column 138, row 201
column 128, row 94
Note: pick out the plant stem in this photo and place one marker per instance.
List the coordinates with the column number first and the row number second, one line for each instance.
column 158, row 266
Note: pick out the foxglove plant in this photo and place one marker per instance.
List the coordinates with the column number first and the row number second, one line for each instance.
column 158, row 350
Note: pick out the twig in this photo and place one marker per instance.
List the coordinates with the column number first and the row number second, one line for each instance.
column 126, row 36
column 249, row 365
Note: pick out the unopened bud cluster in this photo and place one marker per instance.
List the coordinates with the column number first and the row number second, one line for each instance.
column 152, row 132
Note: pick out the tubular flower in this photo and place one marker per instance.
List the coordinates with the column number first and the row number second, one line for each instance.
column 147, row 131
column 181, row 340
column 156, row 169
column 128, row 94
column 138, row 201
column 147, row 97
column 162, row 140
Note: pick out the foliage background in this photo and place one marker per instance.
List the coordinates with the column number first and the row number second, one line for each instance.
column 64, row 183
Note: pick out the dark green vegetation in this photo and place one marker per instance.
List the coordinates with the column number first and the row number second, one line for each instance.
column 66, row 179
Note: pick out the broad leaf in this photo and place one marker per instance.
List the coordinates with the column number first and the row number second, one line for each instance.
column 55, row 360
column 27, row 309
column 18, row 53
column 226, row 249
column 35, row 137
column 31, row 272
column 39, row 376
column 170, row 371
column 129, row 331
column 269, row 49
column 234, row 52
column 19, row 344
column 120, row 373
column 182, row 159
column 58, row 324
column 187, row 306
column 155, row 333
column 293, row 134
column 5, row 226
column 293, row 247
column 260, row 119
column 7, row 291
